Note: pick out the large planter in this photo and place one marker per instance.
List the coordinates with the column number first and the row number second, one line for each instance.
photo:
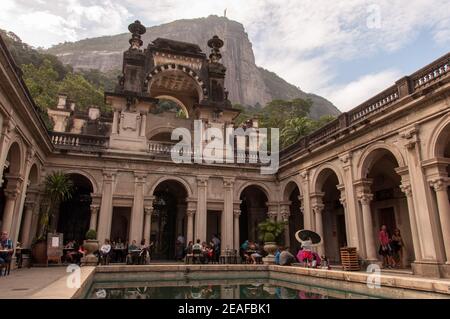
column 270, row 248
column 90, row 259
column 39, row 253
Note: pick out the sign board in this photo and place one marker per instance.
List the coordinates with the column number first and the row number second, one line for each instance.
column 55, row 246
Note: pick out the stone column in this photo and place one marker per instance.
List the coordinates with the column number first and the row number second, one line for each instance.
column 115, row 126
column 308, row 220
column 406, row 188
column 426, row 214
column 137, row 214
column 8, row 212
column 440, row 187
column 190, row 225
column 26, row 230
column 237, row 215
column 143, row 124
column 94, row 215
column 317, row 209
column 106, row 207
column 285, row 214
column 365, row 199
column 227, row 216
column 200, row 218
column 148, row 223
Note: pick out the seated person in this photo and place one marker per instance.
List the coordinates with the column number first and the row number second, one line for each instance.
column 80, row 254
column 70, row 245
column 260, row 253
column 7, row 249
column 197, row 249
column 105, row 251
column 277, row 256
column 133, row 253
column 286, row 258
column 144, row 255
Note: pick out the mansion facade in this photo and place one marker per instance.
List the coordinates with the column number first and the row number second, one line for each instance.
column 385, row 162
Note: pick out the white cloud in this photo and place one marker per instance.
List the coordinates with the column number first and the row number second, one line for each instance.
column 303, row 41
column 354, row 93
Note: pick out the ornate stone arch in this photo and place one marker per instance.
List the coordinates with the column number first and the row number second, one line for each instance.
column 285, row 185
column 174, row 99
column 320, row 170
column 260, row 185
column 85, row 174
column 368, row 156
column 159, row 130
column 439, row 133
column 201, row 86
column 22, row 152
column 172, row 178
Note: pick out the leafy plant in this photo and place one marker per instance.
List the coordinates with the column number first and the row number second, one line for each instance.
column 270, row 231
column 91, row 234
column 58, row 188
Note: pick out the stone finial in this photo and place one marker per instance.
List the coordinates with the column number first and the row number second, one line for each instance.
column 137, row 30
column 215, row 44
column 62, row 100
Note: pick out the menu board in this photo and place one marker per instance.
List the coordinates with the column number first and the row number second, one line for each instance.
column 54, row 246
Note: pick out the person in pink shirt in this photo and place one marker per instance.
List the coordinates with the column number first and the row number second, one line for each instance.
column 385, row 248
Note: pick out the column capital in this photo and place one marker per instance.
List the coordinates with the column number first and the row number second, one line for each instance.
column 346, row 159
column 318, row 208
column 237, row 213
column 29, row 205
column 228, row 182
column 304, row 175
column 406, row 188
column 95, row 209
column 343, row 201
column 410, row 136
column 11, row 194
column 148, row 210
column 285, row 214
column 140, row 178
column 365, row 198
column 272, row 215
column 439, row 184
column 202, row 181
column 109, row 175
column 191, row 212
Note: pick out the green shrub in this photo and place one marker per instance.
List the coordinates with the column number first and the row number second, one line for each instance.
column 91, row 235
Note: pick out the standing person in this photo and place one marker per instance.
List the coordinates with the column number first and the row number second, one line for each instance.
column 7, row 248
column 397, row 248
column 179, row 247
column 216, row 241
column 385, row 247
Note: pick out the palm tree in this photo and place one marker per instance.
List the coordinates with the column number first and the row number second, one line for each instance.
column 296, row 128
column 58, row 188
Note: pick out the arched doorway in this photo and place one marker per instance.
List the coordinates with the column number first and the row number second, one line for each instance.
column 253, row 211
column 168, row 219
column 10, row 187
column 75, row 214
column 330, row 213
column 296, row 221
column 389, row 205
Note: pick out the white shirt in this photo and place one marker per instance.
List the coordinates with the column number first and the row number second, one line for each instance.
column 181, row 239
column 106, row 248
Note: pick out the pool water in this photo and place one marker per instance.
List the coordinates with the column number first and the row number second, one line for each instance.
column 197, row 290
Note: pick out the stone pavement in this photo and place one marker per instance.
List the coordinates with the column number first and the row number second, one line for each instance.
column 25, row 282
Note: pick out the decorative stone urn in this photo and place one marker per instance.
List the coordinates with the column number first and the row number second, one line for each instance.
column 270, row 248
column 91, row 246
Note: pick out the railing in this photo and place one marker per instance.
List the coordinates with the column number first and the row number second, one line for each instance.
column 431, row 73
column 78, row 141
column 374, row 105
column 165, row 150
column 423, row 78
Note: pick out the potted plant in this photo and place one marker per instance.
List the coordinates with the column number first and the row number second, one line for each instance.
column 90, row 245
column 269, row 233
column 58, row 188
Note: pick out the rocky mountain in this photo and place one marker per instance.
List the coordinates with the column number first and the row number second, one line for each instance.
column 247, row 83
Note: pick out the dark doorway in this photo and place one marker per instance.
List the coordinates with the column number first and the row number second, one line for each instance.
column 169, row 195
column 120, row 227
column 75, row 214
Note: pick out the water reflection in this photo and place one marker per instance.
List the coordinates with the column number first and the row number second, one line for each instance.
column 257, row 290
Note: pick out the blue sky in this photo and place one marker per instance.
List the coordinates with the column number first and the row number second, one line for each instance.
column 346, row 51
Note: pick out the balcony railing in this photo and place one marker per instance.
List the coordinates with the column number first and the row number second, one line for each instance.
column 417, row 82
column 71, row 141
